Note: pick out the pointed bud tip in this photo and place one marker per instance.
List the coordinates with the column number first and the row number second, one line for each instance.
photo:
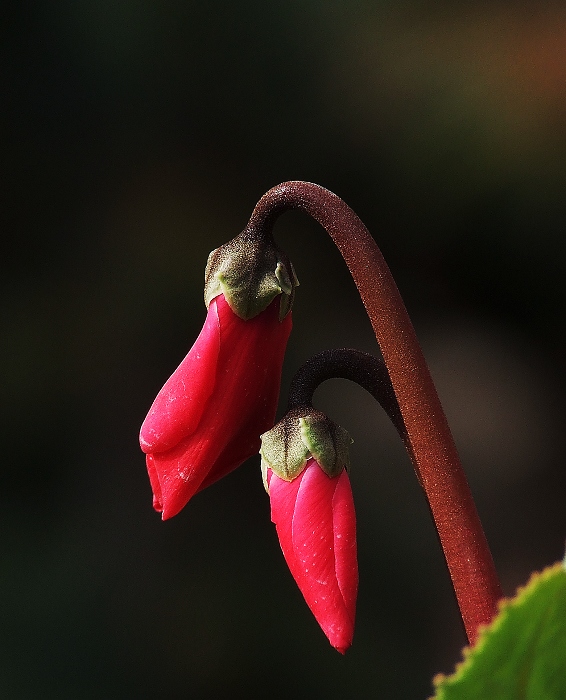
column 166, row 515
column 340, row 639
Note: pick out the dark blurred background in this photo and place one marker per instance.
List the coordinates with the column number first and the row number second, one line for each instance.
column 137, row 137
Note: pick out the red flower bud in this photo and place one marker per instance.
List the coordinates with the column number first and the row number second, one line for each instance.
column 316, row 525
column 208, row 417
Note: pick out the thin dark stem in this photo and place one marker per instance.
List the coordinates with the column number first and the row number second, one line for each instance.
column 429, row 441
column 346, row 363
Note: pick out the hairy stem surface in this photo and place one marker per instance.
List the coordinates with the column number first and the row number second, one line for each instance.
column 428, row 437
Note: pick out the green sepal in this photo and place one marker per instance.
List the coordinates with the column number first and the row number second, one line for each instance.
column 282, row 448
column 327, row 442
column 301, row 434
column 250, row 273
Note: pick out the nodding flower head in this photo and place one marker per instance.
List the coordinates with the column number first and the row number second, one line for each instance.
column 304, row 461
column 208, row 417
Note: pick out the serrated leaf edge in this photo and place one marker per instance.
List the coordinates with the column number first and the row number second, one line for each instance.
column 486, row 631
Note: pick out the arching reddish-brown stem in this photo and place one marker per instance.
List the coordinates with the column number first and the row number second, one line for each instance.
column 428, row 438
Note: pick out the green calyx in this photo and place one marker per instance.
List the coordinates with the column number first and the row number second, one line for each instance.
column 250, row 273
column 327, row 442
column 304, row 433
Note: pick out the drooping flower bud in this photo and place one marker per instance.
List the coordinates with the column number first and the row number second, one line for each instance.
column 208, row 417
column 303, row 463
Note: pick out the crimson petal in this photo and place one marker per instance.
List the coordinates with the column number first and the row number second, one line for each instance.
column 315, row 520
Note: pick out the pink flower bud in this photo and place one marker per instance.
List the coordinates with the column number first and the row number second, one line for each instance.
column 208, row 417
column 316, row 525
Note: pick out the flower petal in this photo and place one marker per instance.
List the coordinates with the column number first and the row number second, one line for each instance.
column 155, row 485
column 262, row 413
column 241, row 407
column 179, row 405
column 345, row 550
column 315, row 520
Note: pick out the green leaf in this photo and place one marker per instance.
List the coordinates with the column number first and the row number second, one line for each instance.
column 522, row 654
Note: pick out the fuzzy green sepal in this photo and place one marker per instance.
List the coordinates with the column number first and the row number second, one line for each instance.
column 304, row 433
column 282, row 448
column 327, row 442
column 250, row 274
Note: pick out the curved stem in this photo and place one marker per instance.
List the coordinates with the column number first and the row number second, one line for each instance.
column 346, row 363
column 429, row 441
